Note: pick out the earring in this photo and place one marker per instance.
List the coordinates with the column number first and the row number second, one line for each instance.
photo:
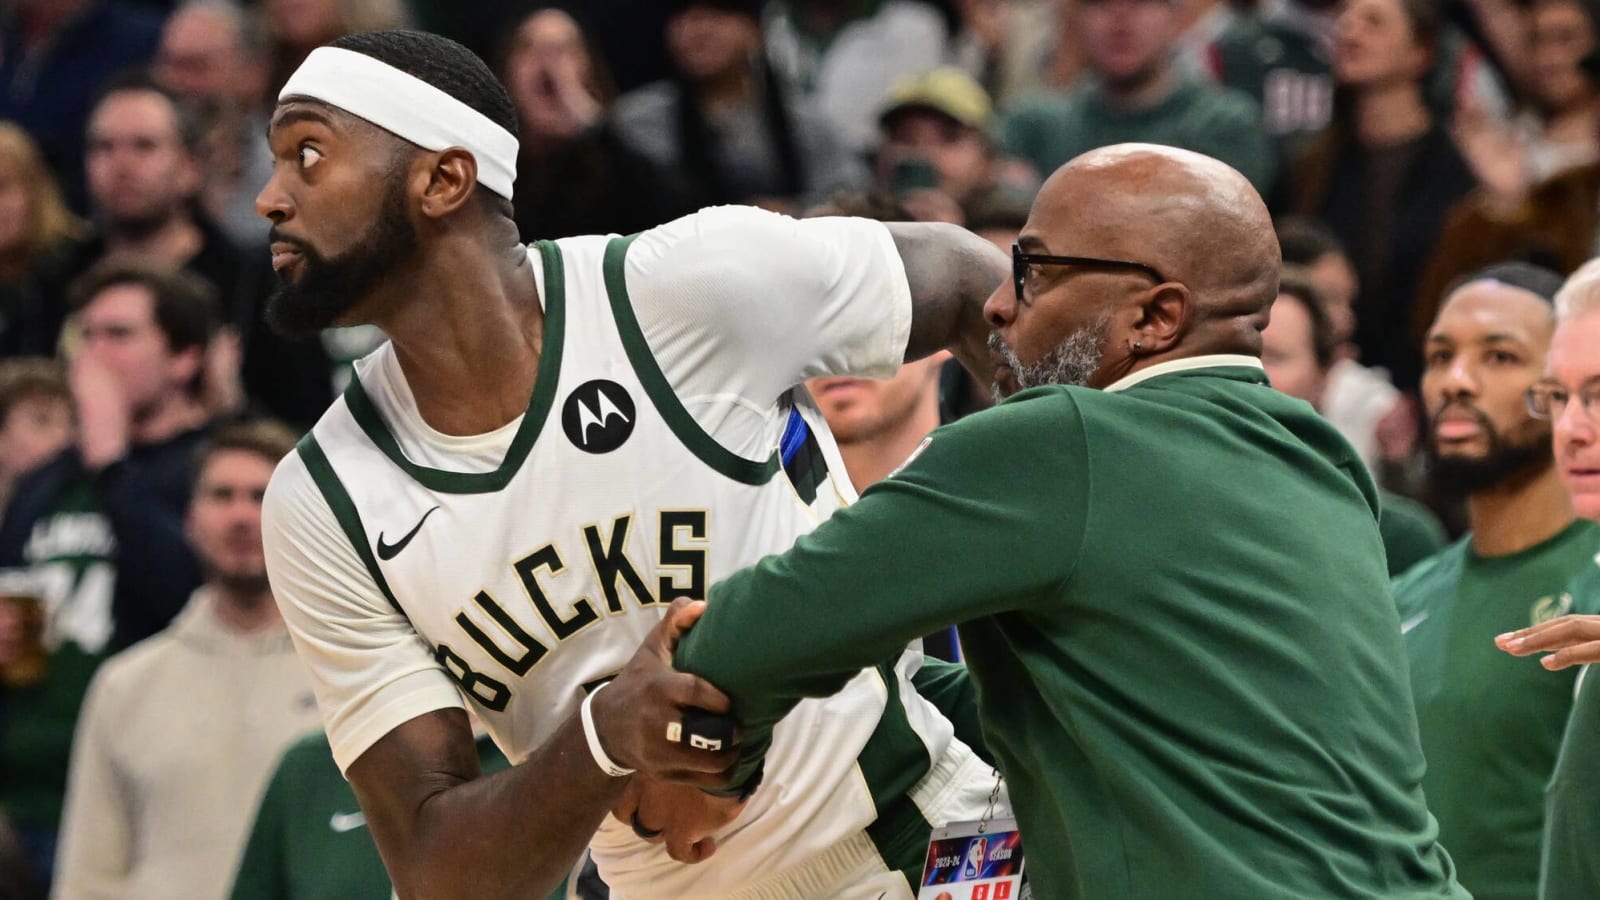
column 1138, row 345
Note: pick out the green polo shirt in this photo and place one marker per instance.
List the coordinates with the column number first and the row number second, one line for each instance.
column 1177, row 619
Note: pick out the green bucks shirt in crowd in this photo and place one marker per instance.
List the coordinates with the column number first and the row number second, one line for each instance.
column 1177, row 617
column 1491, row 723
column 1571, row 868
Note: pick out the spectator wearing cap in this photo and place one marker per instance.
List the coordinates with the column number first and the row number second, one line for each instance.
column 1133, row 91
column 724, row 126
column 935, row 134
column 846, row 55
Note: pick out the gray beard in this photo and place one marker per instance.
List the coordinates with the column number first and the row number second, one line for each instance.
column 1073, row 361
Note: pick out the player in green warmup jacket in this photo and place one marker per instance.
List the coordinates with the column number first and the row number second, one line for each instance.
column 1491, row 725
column 1174, row 601
column 1569, row 396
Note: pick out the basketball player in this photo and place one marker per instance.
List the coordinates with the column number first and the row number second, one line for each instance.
column 559, row 441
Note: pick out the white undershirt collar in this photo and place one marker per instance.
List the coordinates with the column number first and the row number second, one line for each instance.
column 1187, row 364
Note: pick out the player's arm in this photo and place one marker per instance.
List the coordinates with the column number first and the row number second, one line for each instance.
column 988, row 519
column 397, row 729
column 950, row 273
column 743, row 301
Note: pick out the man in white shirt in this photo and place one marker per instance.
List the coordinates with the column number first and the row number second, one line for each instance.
column 179, row 733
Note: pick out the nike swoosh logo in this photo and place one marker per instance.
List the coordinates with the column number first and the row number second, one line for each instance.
column 342, row 822
column 387, row 552
column 1414, row 621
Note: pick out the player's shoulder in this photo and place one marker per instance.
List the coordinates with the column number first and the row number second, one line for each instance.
column 293, row 496
column 744, row 258
column 720, row 227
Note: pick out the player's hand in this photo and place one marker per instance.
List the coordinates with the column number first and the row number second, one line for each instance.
column 682, row 817
column 633, row 713
column 1574, row 640
column 222, row 384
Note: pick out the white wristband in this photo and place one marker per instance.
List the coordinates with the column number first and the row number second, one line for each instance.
column 593, row 737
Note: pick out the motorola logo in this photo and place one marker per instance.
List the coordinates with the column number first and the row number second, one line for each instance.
column 598, row 416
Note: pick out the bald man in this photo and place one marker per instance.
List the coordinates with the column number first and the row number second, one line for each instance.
column 1169, row 578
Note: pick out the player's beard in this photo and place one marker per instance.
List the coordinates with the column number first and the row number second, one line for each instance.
column 328, row 287
column 1073, row 361
column 1509, row 455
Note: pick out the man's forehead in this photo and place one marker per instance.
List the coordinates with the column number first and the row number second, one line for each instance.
column 1488, row 308
column 135, row 106
column 291, row 110
column 1575, row 350
column 300, row 109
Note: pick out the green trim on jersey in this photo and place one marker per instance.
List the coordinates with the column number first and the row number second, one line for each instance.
column 344, row 509
column 892, row 762
column 544, row 389
column 660, row 390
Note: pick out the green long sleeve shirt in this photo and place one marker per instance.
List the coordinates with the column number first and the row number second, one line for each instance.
column 1177, row 619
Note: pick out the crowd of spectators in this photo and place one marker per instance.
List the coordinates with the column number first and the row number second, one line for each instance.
column 1402, row 144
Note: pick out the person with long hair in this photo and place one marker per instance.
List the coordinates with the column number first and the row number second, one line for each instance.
column 34, row 219
column 574, row 173
column 724, row 125
column 35, row 226
column 1385, row 171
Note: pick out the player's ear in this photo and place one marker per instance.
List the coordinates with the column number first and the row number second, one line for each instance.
column 451, row 179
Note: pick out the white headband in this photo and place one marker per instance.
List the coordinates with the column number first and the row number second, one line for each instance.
column 408, row 107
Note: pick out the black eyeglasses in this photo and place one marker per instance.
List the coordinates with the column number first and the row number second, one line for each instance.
column 1022, row 260
column 1547, row 400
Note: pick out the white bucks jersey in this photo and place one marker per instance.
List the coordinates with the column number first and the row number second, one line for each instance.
column 535, row 582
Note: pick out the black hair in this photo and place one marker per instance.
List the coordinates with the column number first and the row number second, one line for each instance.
column 1304, row 240
column 697, row 141
column 1294, row 284
column 1537, row 280
column 267, row 438
column 441, row 62
column 191, row 133
column 183, row 304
